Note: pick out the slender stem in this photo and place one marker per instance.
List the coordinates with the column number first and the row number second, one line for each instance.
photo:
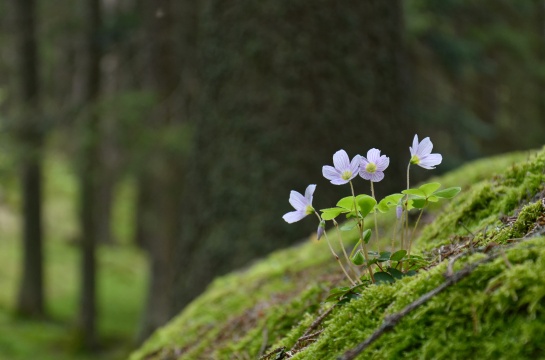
column 394, row 234
column 334, row 253
column 405, row 224
column 414, row 230
column 360, row 225
column 339, row 260
column 344, row 250
column 375, row 214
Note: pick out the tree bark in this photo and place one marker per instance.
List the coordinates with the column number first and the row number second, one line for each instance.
column 88, row 180
column 283, row 92
column 30, row 131
column 159, row 193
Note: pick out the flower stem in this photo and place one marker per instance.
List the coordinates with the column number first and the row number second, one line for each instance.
column 360, row 225
column 344, row 250
column 414, row 230
column 375, row 214
column 335, row 254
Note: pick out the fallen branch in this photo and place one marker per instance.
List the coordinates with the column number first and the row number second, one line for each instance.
column 312, row 327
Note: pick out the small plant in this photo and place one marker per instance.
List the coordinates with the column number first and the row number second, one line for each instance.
column 363, row 266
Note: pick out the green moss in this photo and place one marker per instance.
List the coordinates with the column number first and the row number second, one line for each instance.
column 497, row 312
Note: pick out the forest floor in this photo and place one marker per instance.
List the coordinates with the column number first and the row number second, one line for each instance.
column 121, row 279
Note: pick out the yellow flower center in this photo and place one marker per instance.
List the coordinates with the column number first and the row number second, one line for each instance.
column 370, row 168
column 415, row 160
column 346, row 175
column 309, row 210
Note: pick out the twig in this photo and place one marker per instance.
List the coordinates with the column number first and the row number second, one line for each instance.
column 392, row 320
column 313, row 326
column 264, row 342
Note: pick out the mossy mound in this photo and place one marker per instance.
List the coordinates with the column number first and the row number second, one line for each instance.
column 270, row 310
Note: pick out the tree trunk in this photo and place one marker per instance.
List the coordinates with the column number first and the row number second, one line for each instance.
column 30, row 130
column 88, row 181
column 288, row 83
column 160, row 194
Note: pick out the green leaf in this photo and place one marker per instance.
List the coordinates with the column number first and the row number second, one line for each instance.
column 331, row 213
column 395, row 273
column 349, row 225
column 388, row 202
column 415, row 192
column 419, row 203
column 346, row 203
column 429, row 188
column 398, row 255
column 433, row 198
column 365, row 204
column 384, row 256
column 366, row 236
column 358, row 258
column 448, row 193
column 382, row 277
column 410, row 273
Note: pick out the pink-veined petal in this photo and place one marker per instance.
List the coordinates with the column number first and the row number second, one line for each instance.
column 298, row 201
column 414, row 148
column 363, row 162
column 339, row 181
column 341, row 160
column 424, row 148
column 330, row 173
column 377, row 176
column 373, row 155
column 429, row 162
column 309, row 192
column 355, row 165
column 382, row 163
column 365, row 175
column 294, row 216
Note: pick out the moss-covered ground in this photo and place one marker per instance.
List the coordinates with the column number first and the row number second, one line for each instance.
column 269, row 310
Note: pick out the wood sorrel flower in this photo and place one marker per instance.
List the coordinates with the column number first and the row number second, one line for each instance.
column 344, row 170
column 372, row 168
column 301, row 204
column 421, row 154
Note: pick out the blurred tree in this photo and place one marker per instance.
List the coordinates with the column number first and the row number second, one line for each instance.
column 161, row 180
column 88, row 178
column 30, row 133
column 285, row 85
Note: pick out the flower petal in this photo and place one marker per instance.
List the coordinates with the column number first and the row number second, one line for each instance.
column 298, row 201
column 430, row 161
column 355, row 166
column 330, row 173
column 414, row 148
column 309, row 192
column 340, row 181
column 377, row 176
column 294, row 216
column 341, row 160
column 424, row 148
column 364, row 174
column 382, row 163
column 373, row 155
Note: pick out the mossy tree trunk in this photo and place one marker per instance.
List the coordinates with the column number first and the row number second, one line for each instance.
column 287, row 84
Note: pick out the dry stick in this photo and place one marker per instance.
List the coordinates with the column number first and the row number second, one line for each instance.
column 392, row 320
column 312, row 327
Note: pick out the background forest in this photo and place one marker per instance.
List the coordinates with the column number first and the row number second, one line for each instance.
column 149, row 146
